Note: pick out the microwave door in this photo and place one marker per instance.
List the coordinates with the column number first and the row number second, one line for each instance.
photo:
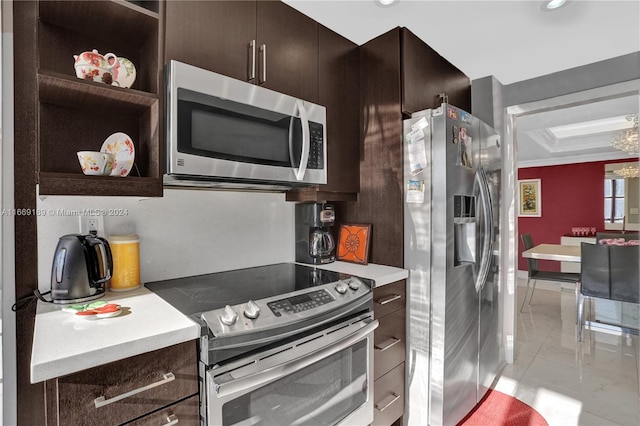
column 223, row 130
column 306, row 141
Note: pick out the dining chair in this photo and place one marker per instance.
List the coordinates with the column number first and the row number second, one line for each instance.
column 625, row 273
column 595, row 280
column 534, row 273
column 609, row 235
column 607, row 272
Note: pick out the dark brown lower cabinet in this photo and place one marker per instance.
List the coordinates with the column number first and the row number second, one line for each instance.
column 153, row 384
column 389, row 353
column 389, row 298
column 389, row 343
column 388, row 397
column 183, row 413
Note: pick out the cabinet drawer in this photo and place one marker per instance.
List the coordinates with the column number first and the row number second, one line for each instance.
column 124, row 390
column 184, row 413
column 389, row 343
column 388, row 400
column 389, row 298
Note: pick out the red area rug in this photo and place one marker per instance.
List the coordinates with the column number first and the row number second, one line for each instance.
column 499, row 409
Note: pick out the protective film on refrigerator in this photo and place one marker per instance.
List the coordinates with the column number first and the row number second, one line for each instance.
column 417, row 151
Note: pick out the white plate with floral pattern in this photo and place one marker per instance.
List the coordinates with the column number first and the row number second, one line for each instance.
column 121, row 146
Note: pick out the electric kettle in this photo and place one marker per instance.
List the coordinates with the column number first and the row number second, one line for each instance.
column 82, row 267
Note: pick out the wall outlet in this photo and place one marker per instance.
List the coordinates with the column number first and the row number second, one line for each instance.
column 91, row 223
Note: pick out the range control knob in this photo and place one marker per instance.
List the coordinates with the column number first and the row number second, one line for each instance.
column 229, row 316
column 251, row 310
column 354, row 283
column 341, row 287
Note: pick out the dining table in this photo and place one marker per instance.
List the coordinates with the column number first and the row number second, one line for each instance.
column 560, row 253
column 567, row 253
column 557, row 252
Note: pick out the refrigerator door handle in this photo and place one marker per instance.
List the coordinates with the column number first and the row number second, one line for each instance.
column 487, row 244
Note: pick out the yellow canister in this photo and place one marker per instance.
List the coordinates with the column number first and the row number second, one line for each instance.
column 125, row 250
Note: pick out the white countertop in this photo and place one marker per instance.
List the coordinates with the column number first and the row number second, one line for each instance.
column 381, row 274
column 64, row 343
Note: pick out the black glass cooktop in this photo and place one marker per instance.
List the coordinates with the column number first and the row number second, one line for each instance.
column 201, row 293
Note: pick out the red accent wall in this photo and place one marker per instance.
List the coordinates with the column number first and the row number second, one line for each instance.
column 572, row 195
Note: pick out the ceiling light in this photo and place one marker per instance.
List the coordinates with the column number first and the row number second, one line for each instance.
column 554, row 4
column 385, row 3
column 627, row 140
column 628, row 172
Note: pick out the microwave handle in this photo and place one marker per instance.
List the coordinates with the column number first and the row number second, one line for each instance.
column 306, row 139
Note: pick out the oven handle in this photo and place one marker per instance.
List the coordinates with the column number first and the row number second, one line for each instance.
column 268, row 375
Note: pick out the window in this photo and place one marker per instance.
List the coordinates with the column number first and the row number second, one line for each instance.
column 613, row 200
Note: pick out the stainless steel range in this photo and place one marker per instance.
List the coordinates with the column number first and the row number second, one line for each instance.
column 280, row 344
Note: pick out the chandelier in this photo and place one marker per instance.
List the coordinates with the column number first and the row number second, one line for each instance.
column 627, row 140
column 627, row 172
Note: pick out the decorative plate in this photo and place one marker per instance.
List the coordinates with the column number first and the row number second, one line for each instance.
column 121, row 146
column 108, row 314
column 94, row 310
column 73, row 309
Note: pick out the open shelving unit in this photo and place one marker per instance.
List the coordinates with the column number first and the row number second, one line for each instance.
column 78, row 115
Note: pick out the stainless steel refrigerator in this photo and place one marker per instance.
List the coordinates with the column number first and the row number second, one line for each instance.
column 452, row 174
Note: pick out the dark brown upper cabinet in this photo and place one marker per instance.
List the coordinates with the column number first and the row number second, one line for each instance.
column 399, row 74
column 213, row 35
column 339, row 92
column 264, row 42
column 290, row 62
column 72, row 114
column 426, row 75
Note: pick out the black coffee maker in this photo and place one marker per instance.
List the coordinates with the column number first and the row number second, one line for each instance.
column 314, row 242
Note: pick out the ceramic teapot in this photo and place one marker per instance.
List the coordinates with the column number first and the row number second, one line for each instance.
column 95, row 67
column 124, row 72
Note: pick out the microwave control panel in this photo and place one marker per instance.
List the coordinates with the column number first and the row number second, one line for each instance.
column 316, row 150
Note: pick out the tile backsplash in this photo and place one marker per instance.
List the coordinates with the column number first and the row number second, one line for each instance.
column 186, row 232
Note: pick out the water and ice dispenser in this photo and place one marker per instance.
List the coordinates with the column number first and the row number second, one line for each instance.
column 464, row 229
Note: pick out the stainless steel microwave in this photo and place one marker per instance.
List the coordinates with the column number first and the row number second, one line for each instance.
column 229, row 133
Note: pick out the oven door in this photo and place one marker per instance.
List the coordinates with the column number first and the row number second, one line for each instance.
column 323, row 379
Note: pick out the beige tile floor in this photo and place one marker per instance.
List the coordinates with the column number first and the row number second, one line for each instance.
column 595, row 382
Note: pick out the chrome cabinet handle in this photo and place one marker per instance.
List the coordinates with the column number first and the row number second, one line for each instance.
column 251, row 72
column 263, row 74
column 172, row 419
column 390, row 342
column 389, row 299
column 392, row 398
column 101, row 401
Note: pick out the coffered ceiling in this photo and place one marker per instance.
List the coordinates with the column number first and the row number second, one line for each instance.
column 574, row 134
column 514, row 40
